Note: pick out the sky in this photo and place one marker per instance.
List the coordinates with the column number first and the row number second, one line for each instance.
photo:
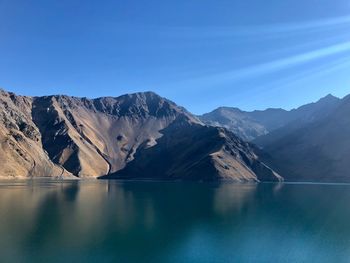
column 202, row 54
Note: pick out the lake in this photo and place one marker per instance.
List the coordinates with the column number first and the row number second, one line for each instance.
column 114, row 221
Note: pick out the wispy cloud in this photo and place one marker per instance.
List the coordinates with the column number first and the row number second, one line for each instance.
column 266, row 68
column 258, row 94
column 264, row 30
column 299, row 77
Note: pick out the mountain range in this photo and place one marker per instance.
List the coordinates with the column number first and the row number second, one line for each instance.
column 145, row 136
column 316, row 150
column 251, row 125
column 134, row 136
column 310, row 143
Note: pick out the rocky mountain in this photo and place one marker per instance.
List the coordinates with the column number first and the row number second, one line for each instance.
column 91, row 138
column 315, row 151
column 192, row 151
column 238, row 121
column 251, row 125
column 69, row 136
column 21, row 151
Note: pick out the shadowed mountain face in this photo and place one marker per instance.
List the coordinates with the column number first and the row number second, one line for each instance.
column 251, row 125
column 190, row 151
column 311, row 143
column 91, row 138
column 316, row 151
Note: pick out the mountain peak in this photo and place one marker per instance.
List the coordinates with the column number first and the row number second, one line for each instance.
column 141, row 94
column 139, row 104
column 329, row 97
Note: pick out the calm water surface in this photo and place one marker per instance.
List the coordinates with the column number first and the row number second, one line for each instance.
column 102, row 221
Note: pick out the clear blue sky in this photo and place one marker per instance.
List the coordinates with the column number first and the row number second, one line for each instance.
column 252, row 54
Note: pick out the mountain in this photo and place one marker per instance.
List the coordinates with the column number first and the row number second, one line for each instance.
column 315, row 151
column 68, row 136
column 91, row 138
column 251, row 125
column 195, row 152
column 238, row 121
column 301, row 117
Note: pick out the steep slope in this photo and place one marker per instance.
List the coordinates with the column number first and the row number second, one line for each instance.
column 317, row 151
column 251, row 125
column 316, row 110
column 21, row 151
column 190, row 151
column 91, row 138
column 301, row 117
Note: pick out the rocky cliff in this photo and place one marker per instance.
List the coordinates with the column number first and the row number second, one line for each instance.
column 22, row 154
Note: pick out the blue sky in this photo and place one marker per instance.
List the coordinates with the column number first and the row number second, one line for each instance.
column 202, row 54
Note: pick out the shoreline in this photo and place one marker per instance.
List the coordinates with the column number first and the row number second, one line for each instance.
column 150, row 180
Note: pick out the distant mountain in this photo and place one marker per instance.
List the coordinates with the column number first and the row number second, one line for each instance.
column 239, row 122
column 68, row 136
column 251, row 125
column 301, row 117
column 315, row 151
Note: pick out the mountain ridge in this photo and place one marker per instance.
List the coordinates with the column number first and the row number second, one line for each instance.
column 314, row 151
column 81, row 137
column 250, row 125
column 145, row 136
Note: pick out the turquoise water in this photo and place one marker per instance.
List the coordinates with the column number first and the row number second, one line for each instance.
column 110, row 221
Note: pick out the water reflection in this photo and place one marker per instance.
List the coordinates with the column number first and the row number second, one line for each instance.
column 172, row 222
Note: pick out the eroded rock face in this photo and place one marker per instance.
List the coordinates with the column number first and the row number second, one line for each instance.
column 91, row 138
column 136, row 135
column 22, row 154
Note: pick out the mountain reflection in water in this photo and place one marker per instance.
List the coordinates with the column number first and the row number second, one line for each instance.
column 90, row 221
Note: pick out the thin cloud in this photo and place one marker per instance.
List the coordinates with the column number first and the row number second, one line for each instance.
column 241, row 30
column 268, row 67
column 265, row 30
